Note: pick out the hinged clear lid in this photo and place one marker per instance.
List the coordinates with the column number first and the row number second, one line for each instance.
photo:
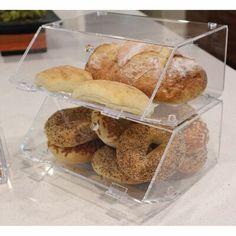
column 73, row 41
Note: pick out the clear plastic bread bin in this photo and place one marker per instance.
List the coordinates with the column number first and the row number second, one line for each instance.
column 149, row 90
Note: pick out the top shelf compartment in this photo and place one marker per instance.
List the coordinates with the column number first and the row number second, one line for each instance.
column 183, row 47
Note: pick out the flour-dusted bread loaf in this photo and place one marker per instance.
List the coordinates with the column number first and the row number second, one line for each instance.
column 62, row 78
column 141, row 65
column 114, row 95
column 102, row 60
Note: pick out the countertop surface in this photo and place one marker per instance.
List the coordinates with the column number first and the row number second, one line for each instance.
column 60, row 199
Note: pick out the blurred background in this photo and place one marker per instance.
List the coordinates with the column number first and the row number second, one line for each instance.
column 221, row 17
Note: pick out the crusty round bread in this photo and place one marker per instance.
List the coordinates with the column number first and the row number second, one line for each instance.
column 104, row 164
column 102, row 60
column 70, row 127
column 61, row 78
column 184, row 81
column 137, row 157
column 129, row 49
column 141, row 65
column 114, row 95
column 108, row 129
column 75, row 155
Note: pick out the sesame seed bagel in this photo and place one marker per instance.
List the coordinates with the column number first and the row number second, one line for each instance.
column 108, row 129
column 75, row 155
column 140, row 149
column 196, row 137
column 104, row 163
column 193, row 161
column 70, row 127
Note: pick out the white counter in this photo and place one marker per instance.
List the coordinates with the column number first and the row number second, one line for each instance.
column 61, row 201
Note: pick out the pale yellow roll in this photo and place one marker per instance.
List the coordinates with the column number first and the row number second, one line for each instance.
column 62, row 78
column 114, row 95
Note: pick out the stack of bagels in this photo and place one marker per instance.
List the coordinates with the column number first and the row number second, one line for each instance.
column 123, row 151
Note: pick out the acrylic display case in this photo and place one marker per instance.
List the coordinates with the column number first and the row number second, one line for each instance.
column 72, row 41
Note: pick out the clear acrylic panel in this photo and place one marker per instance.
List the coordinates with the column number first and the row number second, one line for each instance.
column 202, row 137
column 35, row 147
column 141, row 28
column 73, row 41
column 210, row 52
column 3, row 158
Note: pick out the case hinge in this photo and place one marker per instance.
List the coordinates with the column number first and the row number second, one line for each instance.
column 111, row 113
column 117, row 191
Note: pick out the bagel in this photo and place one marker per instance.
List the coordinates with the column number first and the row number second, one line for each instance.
column 140, row 149
column 108, row 129
column 75, row 155
column 141, row 65
column 61, row 78
column 104, row 164
column 196, row 137
column 70, row 127
column 193, row 161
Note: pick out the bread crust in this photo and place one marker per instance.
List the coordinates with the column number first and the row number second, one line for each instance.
column 113, row 94
column 80, row 154
column 108, row 129
column 102, row 60
column 70, row 127
column 141, row 65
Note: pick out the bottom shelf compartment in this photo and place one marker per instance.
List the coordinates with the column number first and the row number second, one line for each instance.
column 156, row 189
